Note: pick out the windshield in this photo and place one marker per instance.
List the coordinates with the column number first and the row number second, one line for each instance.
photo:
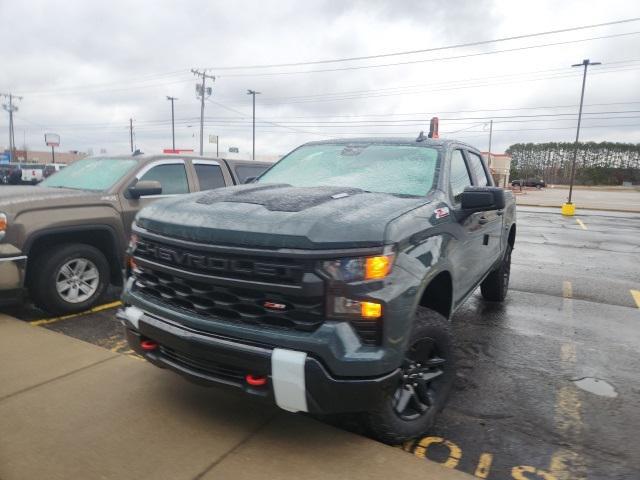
column 91, row 174
column 397, row 169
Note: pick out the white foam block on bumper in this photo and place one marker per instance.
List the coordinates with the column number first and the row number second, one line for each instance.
column 133, row 314
column 287, row 376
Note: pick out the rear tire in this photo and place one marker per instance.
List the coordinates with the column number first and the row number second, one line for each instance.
column 389, row 422
column 70, row 280
column 494, row 288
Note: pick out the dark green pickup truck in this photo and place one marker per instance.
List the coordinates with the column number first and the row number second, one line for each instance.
column 327, row 285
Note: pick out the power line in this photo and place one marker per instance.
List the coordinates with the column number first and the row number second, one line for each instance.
column 437, row 59
column 100, row 86
column 427, row 50
column 346, row 95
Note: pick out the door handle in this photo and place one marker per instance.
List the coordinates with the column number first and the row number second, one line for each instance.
column 483, row 220
column 500, row 212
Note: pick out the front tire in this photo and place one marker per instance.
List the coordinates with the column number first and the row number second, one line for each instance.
column 494, row 288
column 70, row 280
column 427, row 377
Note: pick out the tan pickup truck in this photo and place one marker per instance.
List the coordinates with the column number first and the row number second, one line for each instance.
column 62, row 242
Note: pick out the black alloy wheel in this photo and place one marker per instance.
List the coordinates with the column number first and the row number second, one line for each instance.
column 422, row 371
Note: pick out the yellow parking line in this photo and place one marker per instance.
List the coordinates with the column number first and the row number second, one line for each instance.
column 484, row 465
column 99, row 308
column 581, row 223
column 636, row 296
column 567, row 289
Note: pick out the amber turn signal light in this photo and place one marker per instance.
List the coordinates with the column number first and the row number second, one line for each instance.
column 370, row 310
column 378, row 267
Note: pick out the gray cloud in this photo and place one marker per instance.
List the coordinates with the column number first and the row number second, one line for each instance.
column 85, row 68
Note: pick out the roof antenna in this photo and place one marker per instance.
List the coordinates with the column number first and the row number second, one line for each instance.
column 433, row 128
column 421, row 137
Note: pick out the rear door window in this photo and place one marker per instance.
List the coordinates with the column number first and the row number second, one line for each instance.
column 209, row 176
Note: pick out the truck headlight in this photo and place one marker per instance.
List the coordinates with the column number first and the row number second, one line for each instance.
column 3, row 225
column 360, row 268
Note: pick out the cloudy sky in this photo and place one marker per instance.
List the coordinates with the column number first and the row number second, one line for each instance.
column 84, row 68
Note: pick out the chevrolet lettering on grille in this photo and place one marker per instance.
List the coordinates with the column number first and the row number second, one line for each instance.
column 200, row 261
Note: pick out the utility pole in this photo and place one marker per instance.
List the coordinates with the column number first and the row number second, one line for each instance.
column 202, row 92
column 253, row 93
column 173, row 131
column 10, row 107
column 131, row 133
column 570, row 209
column 490, row 138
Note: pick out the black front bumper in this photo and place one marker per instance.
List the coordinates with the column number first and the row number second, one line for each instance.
column 212, row 360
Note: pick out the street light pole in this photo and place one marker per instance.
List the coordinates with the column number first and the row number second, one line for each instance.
column 173, row 131
column 586, row 64
column 254, row 93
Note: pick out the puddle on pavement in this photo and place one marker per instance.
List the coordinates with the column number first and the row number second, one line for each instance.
column 596, row 386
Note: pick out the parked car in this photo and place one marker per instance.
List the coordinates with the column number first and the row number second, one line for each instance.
column 51, row 168
column 327, row 285
column 529, row 182
column 63, row 241
column 32, row 173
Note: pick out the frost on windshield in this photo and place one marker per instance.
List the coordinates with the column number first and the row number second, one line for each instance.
column 91, row 174
column 398, row 169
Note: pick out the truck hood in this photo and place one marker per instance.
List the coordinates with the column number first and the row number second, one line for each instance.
column 16, row 199
column 279, row 216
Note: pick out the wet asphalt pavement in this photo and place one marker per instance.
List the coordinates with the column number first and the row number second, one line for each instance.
column 516, row 411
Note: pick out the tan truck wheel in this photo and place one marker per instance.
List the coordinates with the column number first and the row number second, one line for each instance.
column 70, row 280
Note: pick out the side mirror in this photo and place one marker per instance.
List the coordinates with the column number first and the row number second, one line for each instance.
column 482, row 198
column 250, row 180
column 144, row 188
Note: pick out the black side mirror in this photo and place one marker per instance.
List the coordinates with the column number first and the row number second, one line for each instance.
column 144, row 188
column 250, row 180
column 482, row 198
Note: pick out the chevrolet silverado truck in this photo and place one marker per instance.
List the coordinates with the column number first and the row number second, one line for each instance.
column 327, row 285
column 63, row 241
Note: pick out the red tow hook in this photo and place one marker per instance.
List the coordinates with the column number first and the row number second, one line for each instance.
column 148, row 345
column 255, row 381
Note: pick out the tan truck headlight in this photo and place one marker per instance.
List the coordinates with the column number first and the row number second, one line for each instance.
column 3, row 225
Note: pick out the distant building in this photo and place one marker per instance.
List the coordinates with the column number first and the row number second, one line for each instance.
column 500, row 166
column 33, row 156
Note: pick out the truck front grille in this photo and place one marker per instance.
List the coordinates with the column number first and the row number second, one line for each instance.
column 281, row 270
column 229, row 303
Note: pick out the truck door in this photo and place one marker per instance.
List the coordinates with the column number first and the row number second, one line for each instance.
column 172, row 175
column 464, row 256
column 491, row 220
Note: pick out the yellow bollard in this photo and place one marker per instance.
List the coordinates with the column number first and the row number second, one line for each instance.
column 568, row 209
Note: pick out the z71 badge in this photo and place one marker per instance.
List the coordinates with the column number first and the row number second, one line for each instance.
column 441, row 212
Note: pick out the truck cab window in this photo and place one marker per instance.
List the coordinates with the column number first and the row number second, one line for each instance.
column 475, row 163
column 459, row 177
column 172, row 177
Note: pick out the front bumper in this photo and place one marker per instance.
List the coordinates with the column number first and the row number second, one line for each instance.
column 296, row 381
column 13, row 267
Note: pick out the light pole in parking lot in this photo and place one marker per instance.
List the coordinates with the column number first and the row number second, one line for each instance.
column 254, row 93
column 569, row 208
column 173, row 131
